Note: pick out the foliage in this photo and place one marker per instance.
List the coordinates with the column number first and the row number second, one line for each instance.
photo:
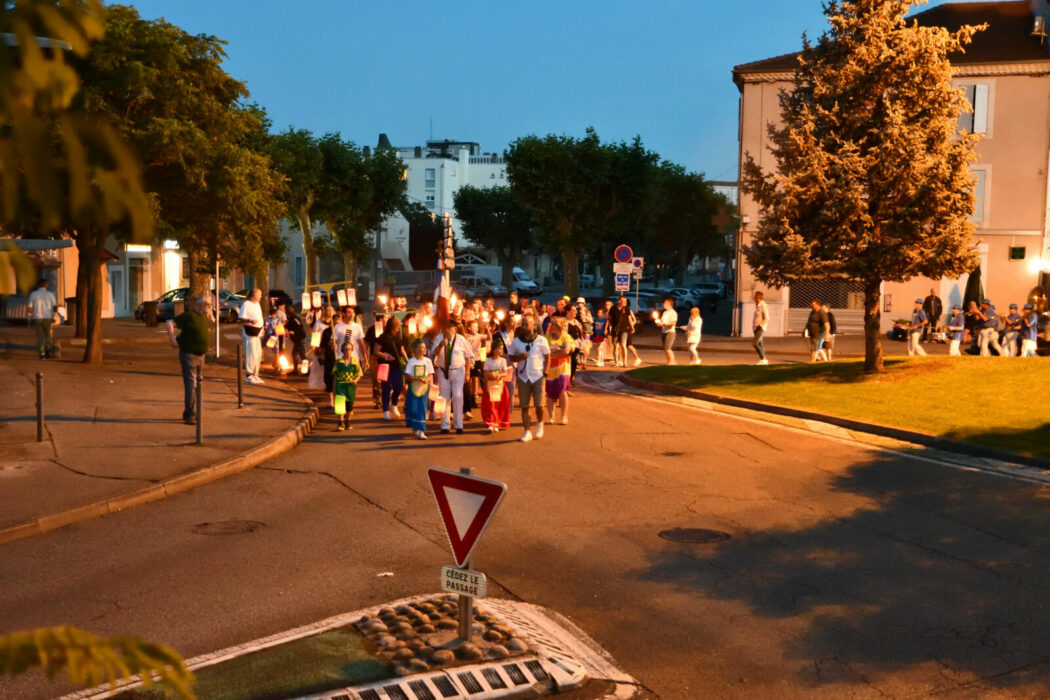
column 58, row 169
column 494, row 219
column 682, row 226
column 92, row 660
column 872, row 180
column 297, row 155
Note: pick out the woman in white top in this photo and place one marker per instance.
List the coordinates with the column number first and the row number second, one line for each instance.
column 692, row 334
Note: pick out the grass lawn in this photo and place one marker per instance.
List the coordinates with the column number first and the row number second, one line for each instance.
column 1000, row 402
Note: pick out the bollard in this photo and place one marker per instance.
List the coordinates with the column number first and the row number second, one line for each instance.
column 240, row 377
column 39, row 406
column 466, row 602
column 200, row 406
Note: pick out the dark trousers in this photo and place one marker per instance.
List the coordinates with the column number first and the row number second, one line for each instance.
column 759, row 346
column 190, row 364
column 391, row 388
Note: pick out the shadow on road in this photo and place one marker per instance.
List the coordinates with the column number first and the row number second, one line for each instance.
column 949, row 570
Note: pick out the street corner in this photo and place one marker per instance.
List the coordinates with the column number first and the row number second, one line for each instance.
column 409, row 648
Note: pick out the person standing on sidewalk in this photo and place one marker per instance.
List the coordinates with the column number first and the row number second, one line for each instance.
column 192, row 342
column 1029, row 332
column 347, row 374
column 816, row 328
column 956, row 329
column 42, row 305
column 759, row 323
column 390, row 351
column 453, row 356
column 251, row 316
column 667, row 322
column 532, row 354
column 934, row 308
column 420, row 373
column 833, row 329
column 1014, row 324
column 915, row 330
column 693, row 331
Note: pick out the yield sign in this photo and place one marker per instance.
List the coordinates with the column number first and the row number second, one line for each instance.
column 467, row 504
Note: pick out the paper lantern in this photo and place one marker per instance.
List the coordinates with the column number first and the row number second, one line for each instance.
column 383, row 372
column 508, row 376
column 306, row 301
column 427, row 322
column 315, row 339
column 284, row 363
column 315, row 298
column 340, row 405
column 500, row 315
column 411, row 326
column 278, row 329
column 482, row 354
column 419, row 371
column 304, row 366
column 340, row 298
column 379, row 327
column 495, row 392
column 439, row 405
column 435, row 392
column 271, row 342
column 351, row 297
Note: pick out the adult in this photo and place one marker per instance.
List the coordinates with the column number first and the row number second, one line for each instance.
column 833, row 329
column 759, row 323
column 575, row 330
column 517, row 306
column 347, row 329
column 559, row 373
column 532, row 355
column 586, row 318
column 1030, row 333
column 1014, row 323
column 251, row 316
column 370, row 343
column 693, row 331
column 192, row 342
column 42, row 305
column 988, row 337
column 297, row 336
column 934, row 308
column 390, row 351
column 816, row 328
column 624, row 328
column 956, row 330
column 453, row 356
column 919, row 322
column 667, row 321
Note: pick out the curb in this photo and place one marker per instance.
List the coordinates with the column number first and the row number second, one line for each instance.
column 169, row 487
column 932, row 441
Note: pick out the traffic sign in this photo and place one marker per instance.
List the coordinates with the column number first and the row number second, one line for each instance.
column 622, row 268
column 638, row 264
column 623, row 253
column 623, row 282
column 467, row 504
column 463, row 581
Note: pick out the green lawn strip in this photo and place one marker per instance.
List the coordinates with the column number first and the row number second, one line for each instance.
column 999, row 402
column 313, row 664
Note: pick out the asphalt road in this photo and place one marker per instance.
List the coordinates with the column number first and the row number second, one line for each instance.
column 847, row 573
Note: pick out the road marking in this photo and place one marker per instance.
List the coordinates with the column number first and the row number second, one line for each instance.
column 1007, row 470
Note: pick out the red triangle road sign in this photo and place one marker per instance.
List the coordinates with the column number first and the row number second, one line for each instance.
column 467, row 504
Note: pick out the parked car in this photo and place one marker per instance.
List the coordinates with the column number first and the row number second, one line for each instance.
column 275, row 296
column 229, row 305
column 473, row 287
column 587, row 281
column 165, row 304
column 710, row 288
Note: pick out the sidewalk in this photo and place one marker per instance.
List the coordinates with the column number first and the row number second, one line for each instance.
column 114, row 434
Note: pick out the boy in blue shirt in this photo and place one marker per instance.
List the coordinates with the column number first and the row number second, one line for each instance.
column 989, row 333
column 1013, row 331
column 956, row 328
column 918, row 322
column 1029, row 332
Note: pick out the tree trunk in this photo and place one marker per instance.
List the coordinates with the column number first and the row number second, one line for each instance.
column 198, row 278
column 684, row 257
column 262, row 281
column 91, row 258
column 309, row 247
column 605, row 263
column 570, row 261
column 872, row 326
column 506, row 262
column 81, row 293
column 350, row 264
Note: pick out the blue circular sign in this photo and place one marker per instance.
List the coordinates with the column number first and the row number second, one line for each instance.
column 623, row 254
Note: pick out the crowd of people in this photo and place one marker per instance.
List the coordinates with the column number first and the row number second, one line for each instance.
column 1014, row 335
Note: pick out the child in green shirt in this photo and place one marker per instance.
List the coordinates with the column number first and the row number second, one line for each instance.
column 346, row 375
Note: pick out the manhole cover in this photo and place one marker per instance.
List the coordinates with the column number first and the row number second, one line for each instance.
column 227, row 527
column 671, row 454
column 694, row 535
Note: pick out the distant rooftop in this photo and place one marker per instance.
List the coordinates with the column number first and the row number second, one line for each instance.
column 1006, row 40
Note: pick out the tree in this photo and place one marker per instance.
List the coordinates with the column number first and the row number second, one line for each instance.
column 492, row 218
column 872, row 180
column 297, row 155
column 682, row 226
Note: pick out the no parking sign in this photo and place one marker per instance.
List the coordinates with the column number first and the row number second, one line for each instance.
column 623, row 254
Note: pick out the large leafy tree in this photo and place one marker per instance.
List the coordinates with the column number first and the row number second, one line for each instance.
column 297, row 155
column 682, row 226
column 494, row 219
column 872, row 181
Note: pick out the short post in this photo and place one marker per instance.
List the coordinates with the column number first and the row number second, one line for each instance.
column 39, row 406
column 200, row 405
column 466, row 602
column 240, row 377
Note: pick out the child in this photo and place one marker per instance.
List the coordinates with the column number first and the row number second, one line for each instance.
column 346, row 374
column 270, row 331
column 559, row 371
column 692, row 334
column 420, row 372
column 496, row 414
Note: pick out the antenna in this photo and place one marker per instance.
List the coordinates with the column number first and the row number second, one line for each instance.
column 432, row 128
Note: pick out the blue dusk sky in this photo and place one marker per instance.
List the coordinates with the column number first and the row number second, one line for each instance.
column 490, row 71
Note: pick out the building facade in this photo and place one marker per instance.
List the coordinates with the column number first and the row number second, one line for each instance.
column 1005, row 74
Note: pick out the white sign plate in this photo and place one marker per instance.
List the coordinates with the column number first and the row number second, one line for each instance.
column 463, row 581
column 623, row 282
column 623, row 268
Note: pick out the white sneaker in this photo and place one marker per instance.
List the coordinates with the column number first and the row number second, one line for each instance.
column 638, row 362
column 422, row 435
column 527, row 437
column 762, row 362
column 386, row 415
column 564, row 421
column 550, row 421
column 601, row 363
column 491, row 430
column 539, row 431
column 397, row 413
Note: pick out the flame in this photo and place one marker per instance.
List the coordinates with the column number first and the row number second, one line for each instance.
column 452, row 301
column 284, row 363
column 500, row 315
column 427, row 322
column 484, row 315
column 381, row 299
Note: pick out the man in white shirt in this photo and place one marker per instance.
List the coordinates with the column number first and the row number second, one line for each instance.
column 532, row 354
column 42, row 305
column 668, row 321
column 453, row 356
column 251, row 316
column 758, row 324
column 348, row 330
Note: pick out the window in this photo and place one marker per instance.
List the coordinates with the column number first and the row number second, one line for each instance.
column 430, row 201
column 1017, row 252
column 430, row 177
column 975, row 122
column 979, row 196
column 300, row 276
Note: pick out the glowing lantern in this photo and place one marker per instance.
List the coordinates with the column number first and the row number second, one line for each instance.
column 439, row 405
column 304, row 367
column 351, row 297
column 495, row 391
column 411, row 326
column 316, row 298
column 340, row 298
column 306, row 301
column 271, row 342
column 383, row 372
column 500, row 315
column 284, row 363
column 340, row 405
column 315, row 339
column 427, row 322
column 278, row 329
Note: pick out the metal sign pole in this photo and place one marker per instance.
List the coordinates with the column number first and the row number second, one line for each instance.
column 217, row 309
column 466, row 602
column 200, row 406
column 39, row 406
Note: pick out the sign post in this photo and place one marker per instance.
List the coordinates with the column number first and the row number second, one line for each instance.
column 467, row 504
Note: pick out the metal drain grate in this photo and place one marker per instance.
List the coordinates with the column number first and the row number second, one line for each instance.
column 445, row 687
column 421, row 690
column 516, row 676
column 470, row 682
column 694, row 535
column 227, row 527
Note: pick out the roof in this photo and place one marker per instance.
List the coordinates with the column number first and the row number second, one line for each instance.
column 1006, row 40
